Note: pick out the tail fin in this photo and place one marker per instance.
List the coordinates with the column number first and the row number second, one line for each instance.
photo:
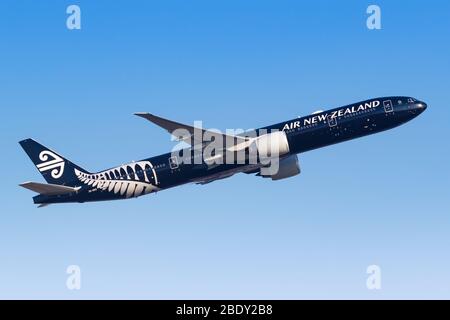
column 54, row 168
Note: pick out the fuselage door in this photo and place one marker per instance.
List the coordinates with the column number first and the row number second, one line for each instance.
column 332, row 121
column 173, row 162
column 388, row 106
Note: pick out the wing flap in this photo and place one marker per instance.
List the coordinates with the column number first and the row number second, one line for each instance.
column 48, row 189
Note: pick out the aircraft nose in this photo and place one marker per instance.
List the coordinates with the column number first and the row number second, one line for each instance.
column 421, row 106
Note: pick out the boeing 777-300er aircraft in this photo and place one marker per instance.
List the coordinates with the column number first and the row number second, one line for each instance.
column 68, row 182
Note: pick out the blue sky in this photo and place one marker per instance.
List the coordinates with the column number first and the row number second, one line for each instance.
column 380, row 200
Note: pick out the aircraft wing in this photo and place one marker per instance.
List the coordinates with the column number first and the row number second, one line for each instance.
column 48, row 189
column 186, row 133
column 225, row 174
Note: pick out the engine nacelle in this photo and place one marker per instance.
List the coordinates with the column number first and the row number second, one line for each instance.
column 287, row 167
column 273, row 144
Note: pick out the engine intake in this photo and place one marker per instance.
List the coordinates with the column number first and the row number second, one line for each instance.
column 287, row 167
column 273, row 144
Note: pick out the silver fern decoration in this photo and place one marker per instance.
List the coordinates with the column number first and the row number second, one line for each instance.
column 131, row 180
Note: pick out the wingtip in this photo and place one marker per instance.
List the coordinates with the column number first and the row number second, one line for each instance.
column 141, row 114
column 23, row 184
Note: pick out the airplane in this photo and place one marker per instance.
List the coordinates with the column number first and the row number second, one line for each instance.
column 69, row 183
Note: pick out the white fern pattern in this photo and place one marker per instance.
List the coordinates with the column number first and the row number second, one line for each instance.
column 131, row 180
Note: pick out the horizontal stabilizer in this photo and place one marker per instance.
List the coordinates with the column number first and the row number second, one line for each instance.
column 48, row 189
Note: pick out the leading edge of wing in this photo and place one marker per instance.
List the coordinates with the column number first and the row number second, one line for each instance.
column 171, row 126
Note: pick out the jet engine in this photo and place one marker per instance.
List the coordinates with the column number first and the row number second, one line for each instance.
column 273, row 144
column 287, row 167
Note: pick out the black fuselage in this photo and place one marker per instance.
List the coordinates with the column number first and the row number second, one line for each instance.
column 314, row 131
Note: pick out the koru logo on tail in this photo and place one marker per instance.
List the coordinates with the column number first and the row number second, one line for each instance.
column 52, row 162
